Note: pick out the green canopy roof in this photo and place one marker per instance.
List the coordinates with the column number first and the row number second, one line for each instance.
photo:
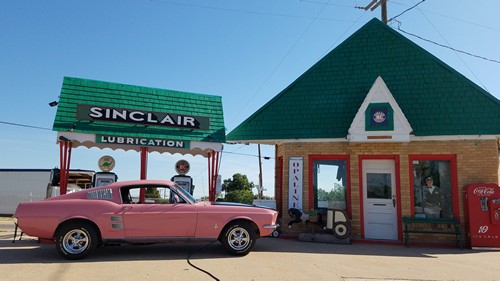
column 103, row 114
column 322, row 103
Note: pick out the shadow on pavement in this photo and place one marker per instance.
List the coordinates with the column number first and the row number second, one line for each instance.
column 29, row 251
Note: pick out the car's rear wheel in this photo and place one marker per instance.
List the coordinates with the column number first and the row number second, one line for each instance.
column 76, row 240
column 239, row 238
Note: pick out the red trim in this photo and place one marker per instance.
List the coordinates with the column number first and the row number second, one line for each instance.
column 398, row 190
column 454, row 179
column 279, row 197
column 348, row 177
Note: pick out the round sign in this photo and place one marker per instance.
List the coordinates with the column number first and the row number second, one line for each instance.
column 379, row 117
column 182, row 167
column 106, row 163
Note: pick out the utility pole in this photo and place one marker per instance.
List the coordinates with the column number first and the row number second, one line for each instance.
column 374, row 5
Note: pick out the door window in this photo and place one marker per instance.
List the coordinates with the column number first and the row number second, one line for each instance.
column 379, row 185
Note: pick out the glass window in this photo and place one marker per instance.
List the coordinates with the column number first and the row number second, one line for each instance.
column 153, row 195
column 432, row 188
column 330, row 184
column 379, row 186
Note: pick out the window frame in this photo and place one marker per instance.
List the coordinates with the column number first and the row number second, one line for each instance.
column 454, row 179
column 346, row 158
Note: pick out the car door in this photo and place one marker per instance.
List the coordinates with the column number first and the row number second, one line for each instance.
column 159, row 216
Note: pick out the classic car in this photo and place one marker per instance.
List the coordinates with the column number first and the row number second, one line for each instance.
column 79, row 222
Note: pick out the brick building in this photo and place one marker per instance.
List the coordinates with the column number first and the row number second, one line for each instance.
column 369, row 126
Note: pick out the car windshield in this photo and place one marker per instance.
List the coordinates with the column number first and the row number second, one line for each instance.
column 185, row 194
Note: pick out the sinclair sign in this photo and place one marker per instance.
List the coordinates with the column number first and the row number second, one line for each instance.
column 146, row 118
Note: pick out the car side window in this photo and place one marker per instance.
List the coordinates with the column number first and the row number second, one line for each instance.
column 161, row 195
column 126, row 196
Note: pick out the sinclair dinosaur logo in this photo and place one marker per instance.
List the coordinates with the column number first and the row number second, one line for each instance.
column 106, row 163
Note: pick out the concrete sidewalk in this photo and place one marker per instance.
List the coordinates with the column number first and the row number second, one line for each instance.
column 271, row 259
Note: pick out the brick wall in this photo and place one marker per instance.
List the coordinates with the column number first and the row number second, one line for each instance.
column 477, row 161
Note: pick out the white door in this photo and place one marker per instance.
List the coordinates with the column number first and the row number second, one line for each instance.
column 379, row 197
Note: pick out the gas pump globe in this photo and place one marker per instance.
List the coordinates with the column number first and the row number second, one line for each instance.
column 181, row 179
column 105, row 177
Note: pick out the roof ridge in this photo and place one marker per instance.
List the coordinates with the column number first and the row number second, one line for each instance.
column 135, row 86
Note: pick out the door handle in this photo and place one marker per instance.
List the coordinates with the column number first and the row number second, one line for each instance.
column 126, row 208
column 394, row 202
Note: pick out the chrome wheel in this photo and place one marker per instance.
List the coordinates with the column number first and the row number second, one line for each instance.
column 75, row 241
column 238, row 238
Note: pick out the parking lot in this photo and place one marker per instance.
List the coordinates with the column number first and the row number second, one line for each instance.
column 271, row 259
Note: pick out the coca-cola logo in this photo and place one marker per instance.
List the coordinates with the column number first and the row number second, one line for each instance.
column 484, row 191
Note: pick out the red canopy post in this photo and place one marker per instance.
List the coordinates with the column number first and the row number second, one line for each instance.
column 213, row 171
column 144, row 171
column 65, row 146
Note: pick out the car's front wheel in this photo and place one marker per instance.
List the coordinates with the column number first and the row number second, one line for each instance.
column 239, row 238
column 76, row 240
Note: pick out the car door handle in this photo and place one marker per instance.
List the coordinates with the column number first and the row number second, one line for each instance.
column 126, row 208
column 379, row 204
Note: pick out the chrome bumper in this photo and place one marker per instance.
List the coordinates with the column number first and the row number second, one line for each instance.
column 271, row 226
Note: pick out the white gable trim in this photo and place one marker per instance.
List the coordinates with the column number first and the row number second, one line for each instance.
column 379, row 93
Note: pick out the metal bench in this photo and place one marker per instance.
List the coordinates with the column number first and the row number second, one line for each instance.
column 453, row 227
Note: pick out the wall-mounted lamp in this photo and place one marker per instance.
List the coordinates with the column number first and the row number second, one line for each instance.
column 53, row 103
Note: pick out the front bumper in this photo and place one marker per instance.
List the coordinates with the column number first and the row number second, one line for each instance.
column 271, row 226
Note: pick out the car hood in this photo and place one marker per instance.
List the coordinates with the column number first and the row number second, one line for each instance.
column 240, row 205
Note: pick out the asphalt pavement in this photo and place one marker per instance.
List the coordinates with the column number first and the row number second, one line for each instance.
column 271, row 259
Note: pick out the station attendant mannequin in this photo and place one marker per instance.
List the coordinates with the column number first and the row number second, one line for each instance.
column 432, row 199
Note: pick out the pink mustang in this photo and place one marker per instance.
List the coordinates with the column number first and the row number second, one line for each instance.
column 79, row 222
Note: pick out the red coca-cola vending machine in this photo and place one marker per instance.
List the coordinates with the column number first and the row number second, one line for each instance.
column 482, row 214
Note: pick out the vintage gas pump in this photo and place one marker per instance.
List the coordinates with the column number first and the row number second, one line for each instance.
column 105, row 177
column 181, row 179
column 482, row 206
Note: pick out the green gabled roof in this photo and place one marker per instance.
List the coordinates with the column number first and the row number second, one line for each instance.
column 77, row 91
column 322, row 103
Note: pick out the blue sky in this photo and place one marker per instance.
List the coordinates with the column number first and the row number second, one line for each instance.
column 245, row 51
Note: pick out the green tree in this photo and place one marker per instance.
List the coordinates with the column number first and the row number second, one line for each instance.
column 335, row 194
column 240, row 196
column 238, row 182
column 152, row 192
column 238, row 189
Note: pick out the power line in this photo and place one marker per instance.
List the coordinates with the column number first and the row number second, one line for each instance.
column 283, row 59
column 341, row 36
column 444, row 46
column 23, row 125
column 412, row 7
column 327, row 3
column 450, row 17
column 247, row 11
column 245, row 154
